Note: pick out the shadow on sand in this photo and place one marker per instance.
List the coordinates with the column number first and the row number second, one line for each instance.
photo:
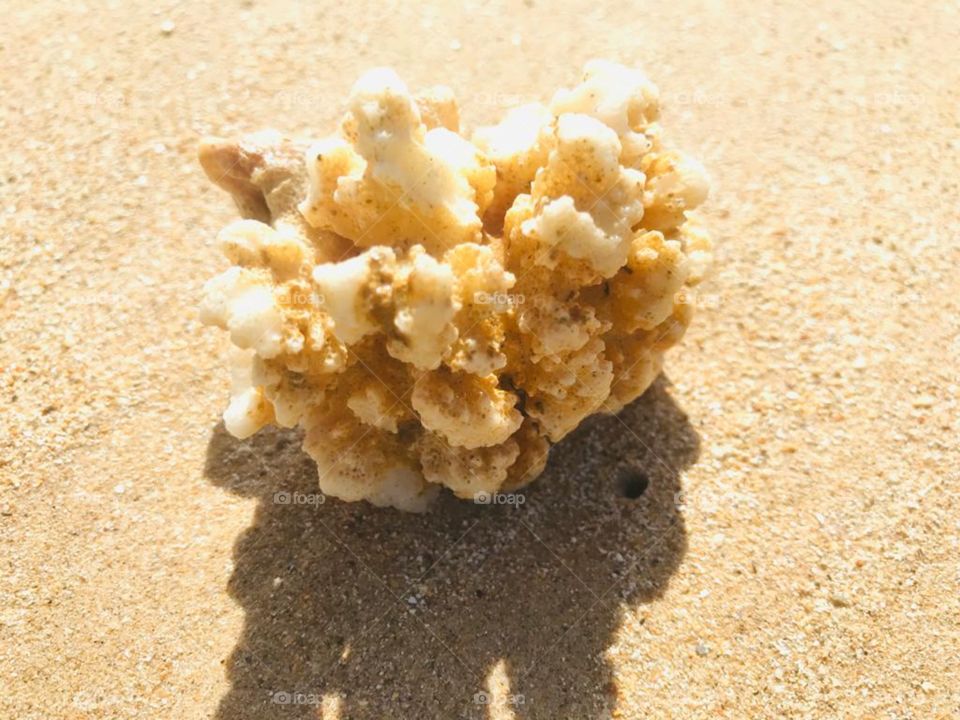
column 407, row 615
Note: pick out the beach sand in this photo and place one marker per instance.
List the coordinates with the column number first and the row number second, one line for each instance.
column 794, row 550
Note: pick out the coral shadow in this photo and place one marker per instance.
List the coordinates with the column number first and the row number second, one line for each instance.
column 406, row 615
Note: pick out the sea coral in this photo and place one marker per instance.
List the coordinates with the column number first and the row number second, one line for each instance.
column 435, row 310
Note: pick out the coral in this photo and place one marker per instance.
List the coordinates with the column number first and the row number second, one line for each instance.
column 435, row 310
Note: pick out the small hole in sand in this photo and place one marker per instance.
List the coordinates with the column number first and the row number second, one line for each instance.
column 633, row 484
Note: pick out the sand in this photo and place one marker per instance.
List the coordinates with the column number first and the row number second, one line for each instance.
column 795, row 550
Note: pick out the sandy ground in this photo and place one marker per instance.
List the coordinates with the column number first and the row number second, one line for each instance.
column 796, row 551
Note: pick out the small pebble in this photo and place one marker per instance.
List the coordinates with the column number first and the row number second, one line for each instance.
column 167, row 27
column 840, row 600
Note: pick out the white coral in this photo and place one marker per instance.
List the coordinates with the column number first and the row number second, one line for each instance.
column 387, row 178
column 467, row 410
column 435, row 311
